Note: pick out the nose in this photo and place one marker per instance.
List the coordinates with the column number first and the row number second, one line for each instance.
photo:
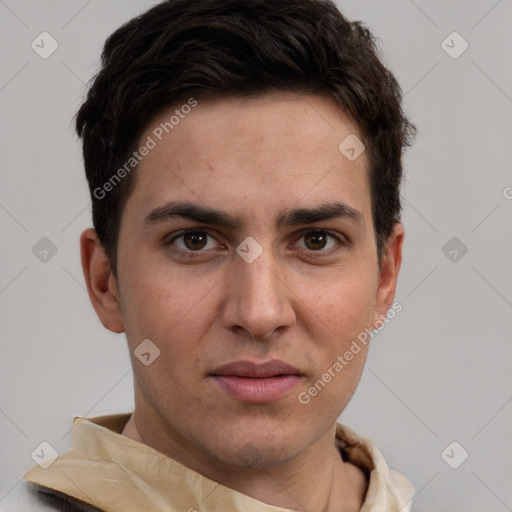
column 258, row 301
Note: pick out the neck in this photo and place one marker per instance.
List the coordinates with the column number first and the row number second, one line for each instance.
column 318, row 480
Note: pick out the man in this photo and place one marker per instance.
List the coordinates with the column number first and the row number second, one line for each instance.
column 244, row 162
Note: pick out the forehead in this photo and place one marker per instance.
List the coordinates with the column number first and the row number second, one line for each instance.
column 274, row 148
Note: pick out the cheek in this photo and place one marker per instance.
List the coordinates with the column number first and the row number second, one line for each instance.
column 346, row 308
column 343, row 327
column 160, row 303
column 340, row 322
column 336, row 374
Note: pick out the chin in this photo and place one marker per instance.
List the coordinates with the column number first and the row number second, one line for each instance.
column 255, row 451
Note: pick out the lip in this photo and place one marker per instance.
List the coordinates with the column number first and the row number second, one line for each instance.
column 245, row 368
column 251, row 382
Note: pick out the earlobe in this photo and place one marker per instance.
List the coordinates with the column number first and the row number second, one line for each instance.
column 388, row 273
column 101, row 283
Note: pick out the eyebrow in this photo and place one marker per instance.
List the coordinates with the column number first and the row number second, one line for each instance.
column 205, row 215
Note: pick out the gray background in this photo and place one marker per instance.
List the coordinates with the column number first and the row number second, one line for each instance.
column 438, row 373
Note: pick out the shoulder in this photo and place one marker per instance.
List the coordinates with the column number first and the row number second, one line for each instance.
column 29, row 497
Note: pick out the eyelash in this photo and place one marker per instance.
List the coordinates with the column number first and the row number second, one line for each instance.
column 341, row 241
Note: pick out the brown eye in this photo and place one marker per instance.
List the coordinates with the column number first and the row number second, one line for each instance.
column 195, row 241
column 315, row 240
column 319, row 241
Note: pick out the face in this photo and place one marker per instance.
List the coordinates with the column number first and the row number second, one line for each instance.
column 247, row 255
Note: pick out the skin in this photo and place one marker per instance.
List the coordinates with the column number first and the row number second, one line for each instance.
column 298, row 302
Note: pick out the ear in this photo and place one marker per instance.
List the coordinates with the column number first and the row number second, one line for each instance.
column 388, row 273
column 100, row 281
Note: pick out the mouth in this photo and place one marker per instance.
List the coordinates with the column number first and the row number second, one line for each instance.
column 257, row 383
